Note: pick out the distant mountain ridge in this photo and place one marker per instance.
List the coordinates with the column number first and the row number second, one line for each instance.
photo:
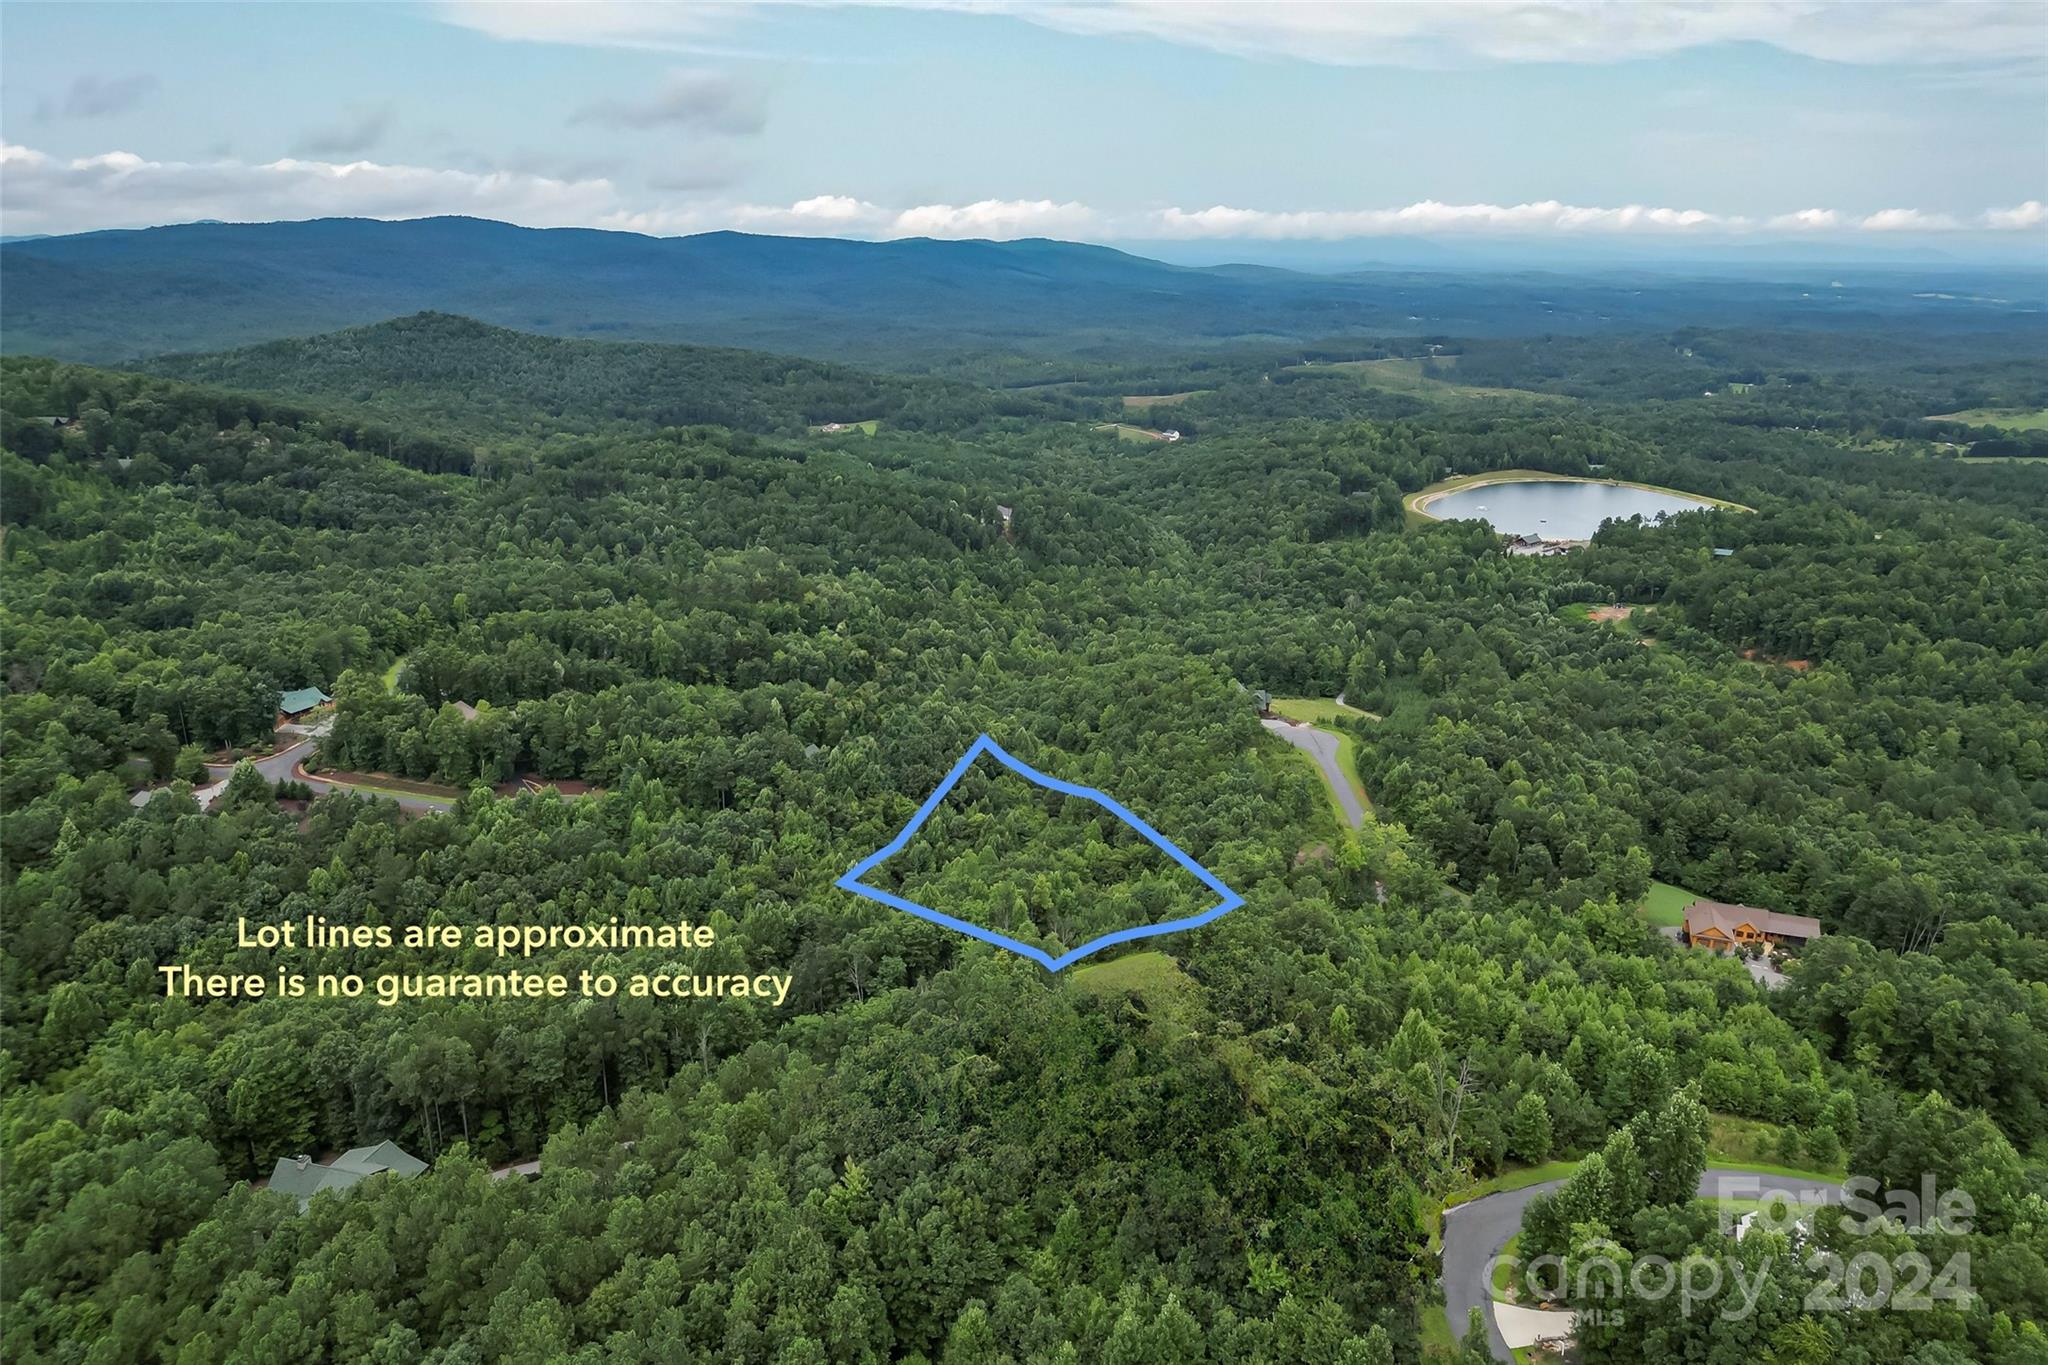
column 115, row 296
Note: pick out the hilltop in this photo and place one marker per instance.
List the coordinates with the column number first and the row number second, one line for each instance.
column 476, row 378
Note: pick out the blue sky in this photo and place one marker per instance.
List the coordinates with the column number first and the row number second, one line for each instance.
column 1130, row 121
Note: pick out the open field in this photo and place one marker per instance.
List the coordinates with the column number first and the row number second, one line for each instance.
column 2005, row 419
column 1168, row 993
column 1598, row 611
column 866, row 428
column 1162, row 400
column 1416, row 504
column 1424, row 378
column 1317, row 710
column 1126, row 432
column 1665, row 905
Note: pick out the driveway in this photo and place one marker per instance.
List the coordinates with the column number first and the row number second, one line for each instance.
column 1474, row 1234
column 1321, row 746
column 283, row 766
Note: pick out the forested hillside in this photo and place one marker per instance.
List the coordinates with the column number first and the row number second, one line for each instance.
column 451, row 373
column 763, row 649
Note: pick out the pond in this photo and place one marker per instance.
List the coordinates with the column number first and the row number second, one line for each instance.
column 1556, row 509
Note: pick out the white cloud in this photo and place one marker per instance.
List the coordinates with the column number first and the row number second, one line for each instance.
column 1994, row 32
column 1907, row 220
column 2031, row 214
column 1806, row 220
column 1429, row 217
column 42, row 193
column 996, row 218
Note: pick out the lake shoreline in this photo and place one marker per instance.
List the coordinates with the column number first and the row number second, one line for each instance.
column 1418, row 503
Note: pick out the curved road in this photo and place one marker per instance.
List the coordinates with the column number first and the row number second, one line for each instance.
column 1474, row 1234
column 283, row 766
column 1321, row 746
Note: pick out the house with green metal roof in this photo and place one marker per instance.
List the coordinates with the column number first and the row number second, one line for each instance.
column 302, row 1177
column 298, row 702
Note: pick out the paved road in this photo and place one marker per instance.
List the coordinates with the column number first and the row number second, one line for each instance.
column 1321, row 745
column 283, row 766
column 1474, row 1234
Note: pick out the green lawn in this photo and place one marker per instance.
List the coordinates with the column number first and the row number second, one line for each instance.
column 391, row 674
column 1505, row 1268
column 1665, row 905
column 1437, row 1341
column 1314, row 711
column 1169, row 995
column 2005, row 419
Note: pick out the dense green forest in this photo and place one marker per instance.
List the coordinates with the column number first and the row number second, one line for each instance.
column 764, row 647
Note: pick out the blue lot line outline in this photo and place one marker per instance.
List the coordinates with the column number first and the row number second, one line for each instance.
column 984, row 745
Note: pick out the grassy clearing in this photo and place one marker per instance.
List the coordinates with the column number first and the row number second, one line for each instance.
column 1161, row 400
column 1426, row 378
column 1732, row 1144
column 1416, row 504
column 2005, row 419
column 1514, row 1178
column 1749, row 1144
column 383, row 784
column 391, row 674
column 1126, row 432
column 1317, row 711
column 1170, row 996
column 866, row 428
column 1665, row 905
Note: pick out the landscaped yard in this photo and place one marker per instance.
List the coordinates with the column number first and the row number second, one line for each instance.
column 1665, row 905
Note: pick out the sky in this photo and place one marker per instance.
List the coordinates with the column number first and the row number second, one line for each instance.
column 1213, row 126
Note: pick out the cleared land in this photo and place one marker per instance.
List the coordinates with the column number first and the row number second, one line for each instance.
column 1317, row 711
column 1424, row 377
column 866, row 428
column 1161, row 400
column 1169, row 995
column 1665, row 905
column 1126, row 432
column 2005, row 419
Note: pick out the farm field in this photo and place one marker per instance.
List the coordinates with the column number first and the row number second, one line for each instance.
column 2006, row 419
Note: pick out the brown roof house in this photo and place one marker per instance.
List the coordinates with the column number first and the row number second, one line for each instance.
column 302, row 1177
column 1725, row 928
